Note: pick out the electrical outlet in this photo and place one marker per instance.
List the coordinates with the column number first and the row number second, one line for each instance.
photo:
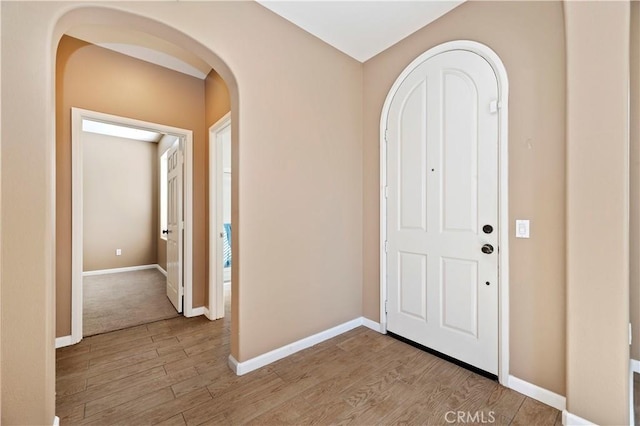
column 118, row 252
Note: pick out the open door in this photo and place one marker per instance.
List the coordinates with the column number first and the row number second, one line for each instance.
column 220, row 229
column 174, row 226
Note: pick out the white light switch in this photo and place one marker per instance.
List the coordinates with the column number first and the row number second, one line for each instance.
column 522, row 229
column 118, row 252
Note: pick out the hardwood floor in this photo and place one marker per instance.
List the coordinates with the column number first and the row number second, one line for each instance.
column 174, row 372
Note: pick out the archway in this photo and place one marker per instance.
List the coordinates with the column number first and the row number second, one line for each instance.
column 110, row 19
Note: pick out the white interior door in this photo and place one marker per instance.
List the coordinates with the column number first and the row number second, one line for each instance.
column 174, row 226
column 442, row 177
column 223, row 139
column 220, row 231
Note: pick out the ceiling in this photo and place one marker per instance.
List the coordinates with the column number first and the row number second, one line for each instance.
column 361, row 29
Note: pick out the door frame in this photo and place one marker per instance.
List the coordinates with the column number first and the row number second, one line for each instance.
column 503, row 188
column 77, row 115
column 216, row 273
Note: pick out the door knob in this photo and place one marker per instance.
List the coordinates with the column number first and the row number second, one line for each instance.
column 165, row 231
column 487, row 249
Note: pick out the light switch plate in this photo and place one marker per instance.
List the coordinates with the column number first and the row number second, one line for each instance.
column 522, row 229
column 118, row 252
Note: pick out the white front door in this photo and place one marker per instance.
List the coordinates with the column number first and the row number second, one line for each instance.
column 174, row 226
column 442, row 209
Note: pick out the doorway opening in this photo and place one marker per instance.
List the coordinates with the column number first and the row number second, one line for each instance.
column 165, row 139
column 123, row 64
column 220, row 229
column 409, row 265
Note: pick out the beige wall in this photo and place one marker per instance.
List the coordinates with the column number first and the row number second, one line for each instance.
column 634, row 181
column 217, row 104
column 300, row 103
column 597, row 211
column 1, row 347
column 97, row 79
column 27, row 274
column 217, row 99
column 120, row 202
column 529, row 38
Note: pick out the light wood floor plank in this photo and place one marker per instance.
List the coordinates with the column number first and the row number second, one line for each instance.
column 129, row 369
column 171, row 409
column 532, row 412
column 176, row 420
column 174, row 372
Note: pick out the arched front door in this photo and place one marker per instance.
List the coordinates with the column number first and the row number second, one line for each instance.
column 442, row 228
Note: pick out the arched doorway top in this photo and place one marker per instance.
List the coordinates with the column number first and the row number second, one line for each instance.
column 113, row 18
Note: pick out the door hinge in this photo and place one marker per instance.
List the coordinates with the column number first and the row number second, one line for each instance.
column 386, row 192
column 385, row 307
column 494, row 106
column 386, row 133
column 386, row 246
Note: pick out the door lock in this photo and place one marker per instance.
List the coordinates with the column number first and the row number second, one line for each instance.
column 487, row 229
column 487, row 249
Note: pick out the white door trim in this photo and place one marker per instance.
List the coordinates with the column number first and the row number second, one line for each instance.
column 77, row 114
column 216, row 276
column 503, row 191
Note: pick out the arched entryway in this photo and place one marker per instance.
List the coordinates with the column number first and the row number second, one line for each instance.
column 117, row 22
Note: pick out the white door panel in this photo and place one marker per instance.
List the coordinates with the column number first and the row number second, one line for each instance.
column 174, row 221
column 442, row 176
column 412, row 279
column 413, row 159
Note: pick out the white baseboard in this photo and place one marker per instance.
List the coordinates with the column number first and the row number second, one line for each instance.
column 197, row 312
column 635, row 366
column 233, row 364
column 63, row 341
column 207, row 314
column 117, row 270
column 162, row 271
column 569, row 419
column 249, row 365
column 375, row 326
column 543, row 395
column 56, row 421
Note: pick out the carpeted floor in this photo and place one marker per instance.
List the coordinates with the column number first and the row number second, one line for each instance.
column 116, row 301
